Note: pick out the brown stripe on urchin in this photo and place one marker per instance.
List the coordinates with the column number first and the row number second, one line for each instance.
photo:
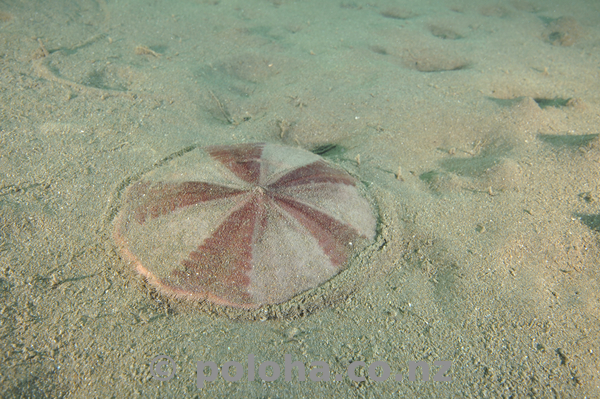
column 313, row 173
column 242, row 160
column 158, row 199
column 220, row 265
column 336, row 239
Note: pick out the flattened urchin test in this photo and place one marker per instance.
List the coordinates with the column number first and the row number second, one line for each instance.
column 244, row 225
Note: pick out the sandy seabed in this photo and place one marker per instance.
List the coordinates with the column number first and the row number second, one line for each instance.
column 474, row 124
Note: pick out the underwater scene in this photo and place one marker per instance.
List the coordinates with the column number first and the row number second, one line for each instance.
column 300, row 199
